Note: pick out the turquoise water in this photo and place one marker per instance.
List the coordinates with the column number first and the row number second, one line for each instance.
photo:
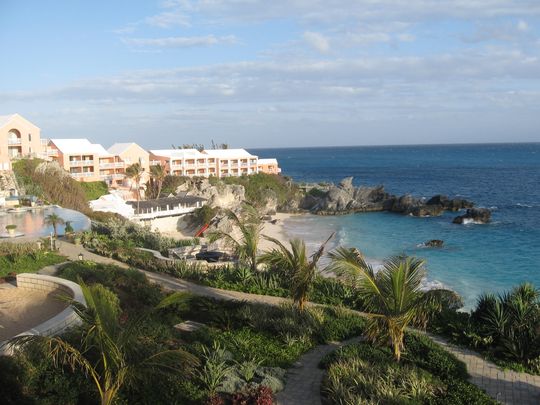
column 476, row 258
column 31, row 223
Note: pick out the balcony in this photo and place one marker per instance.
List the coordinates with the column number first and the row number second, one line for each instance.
column 82, row 174
column 111, row 165
column 14, row 141
column 44, row 142
column 81, row 162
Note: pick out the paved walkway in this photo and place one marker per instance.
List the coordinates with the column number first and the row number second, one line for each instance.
column 305, row 377
column 508, row 387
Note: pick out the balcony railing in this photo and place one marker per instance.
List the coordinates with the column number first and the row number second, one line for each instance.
column 111, row 165
column 14, row 141
column 81, row 162
column 82, row 174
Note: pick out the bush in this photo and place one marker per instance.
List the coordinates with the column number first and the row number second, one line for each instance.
column 427, row 374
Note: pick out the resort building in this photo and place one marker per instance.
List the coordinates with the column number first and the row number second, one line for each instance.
column 83, row 160
column 232, row 162
column 183, row 162
column 269, row 166
column 18, row 138
column 123, row 156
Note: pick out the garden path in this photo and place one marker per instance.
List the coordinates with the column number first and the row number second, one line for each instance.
column 508, row 387
column 305, row 377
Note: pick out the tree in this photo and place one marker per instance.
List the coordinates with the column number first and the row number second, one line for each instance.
column 297, row 265
column 54, row 220
column 135, row 173
column 392, row 297
column 158, row 174
column 246, row 248
column 109, row 353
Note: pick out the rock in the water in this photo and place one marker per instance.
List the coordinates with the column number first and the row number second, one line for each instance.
column 446, row 203
column 436, row 243
column 474, row 216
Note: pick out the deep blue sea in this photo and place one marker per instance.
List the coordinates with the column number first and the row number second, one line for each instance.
column 476, row 258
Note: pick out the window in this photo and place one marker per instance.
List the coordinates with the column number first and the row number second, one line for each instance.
column 29, row 137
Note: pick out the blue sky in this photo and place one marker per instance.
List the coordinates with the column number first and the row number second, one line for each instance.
column 254, row 73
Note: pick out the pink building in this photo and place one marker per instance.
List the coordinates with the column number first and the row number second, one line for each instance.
column 19, row 138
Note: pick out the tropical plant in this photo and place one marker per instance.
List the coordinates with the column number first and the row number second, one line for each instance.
column 135, row 173
column 109, row 352
column 54, row 220
column 512, row 319
column 297, row 264
column 157, row 177
column 246, row 247
column 392, row 297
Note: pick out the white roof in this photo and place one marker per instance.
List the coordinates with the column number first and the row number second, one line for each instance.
column 229, row 153
column 119, row 148
column 177, row 153
column 268, row 161
column 81, row 145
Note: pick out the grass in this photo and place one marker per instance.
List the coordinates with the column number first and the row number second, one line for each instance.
column 28, row 264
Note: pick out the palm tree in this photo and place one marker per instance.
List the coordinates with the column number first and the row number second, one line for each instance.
column 246, row 248
column 392, row 297
column 135, row 173
column 109, row 353
column 158, row 174
column 54, row 220
column 297, row 265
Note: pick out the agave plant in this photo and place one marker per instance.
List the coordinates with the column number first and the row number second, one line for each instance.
column 392, row 297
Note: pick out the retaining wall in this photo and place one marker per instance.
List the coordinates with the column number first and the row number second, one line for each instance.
column 59, row 323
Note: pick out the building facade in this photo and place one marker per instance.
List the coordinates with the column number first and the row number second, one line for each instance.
column 269, row 166
column 19, row 138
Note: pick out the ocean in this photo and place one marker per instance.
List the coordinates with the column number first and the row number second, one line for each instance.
column 475, row 258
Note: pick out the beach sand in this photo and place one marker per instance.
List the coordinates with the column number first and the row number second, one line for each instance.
column 22, row 309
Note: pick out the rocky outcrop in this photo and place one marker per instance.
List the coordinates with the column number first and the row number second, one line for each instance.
column 228, row 196
column 345, row 198
column 474, row 216
column 435, row 243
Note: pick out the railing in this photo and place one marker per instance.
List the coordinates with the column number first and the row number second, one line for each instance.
column 44, row 142
column 83, row 162
column 111, row 165
column 82, row 174
column 52, row 152
column 14, row 141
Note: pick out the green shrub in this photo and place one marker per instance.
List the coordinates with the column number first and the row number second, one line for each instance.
column 94, row 189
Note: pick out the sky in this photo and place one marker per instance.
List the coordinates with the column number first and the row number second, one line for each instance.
column 280, row 73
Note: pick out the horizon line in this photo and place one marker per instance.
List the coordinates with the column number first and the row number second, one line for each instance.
column 394, row 145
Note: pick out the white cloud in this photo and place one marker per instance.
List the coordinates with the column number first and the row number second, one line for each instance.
column 317, row 41
column 180, row 42
column 168, row 19
column 522, row 26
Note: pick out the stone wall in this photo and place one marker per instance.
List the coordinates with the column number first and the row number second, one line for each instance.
column 59, row 323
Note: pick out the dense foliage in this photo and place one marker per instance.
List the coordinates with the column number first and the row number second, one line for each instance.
column 241, row 348
column 51, row 183
column 506, row 328
column 25, row 257
column 116, row 236
column 94, row 189
column 427, row 374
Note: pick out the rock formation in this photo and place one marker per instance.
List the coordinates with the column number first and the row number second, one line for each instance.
column 474, row 216
column 345, row 198
column 436, row 243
